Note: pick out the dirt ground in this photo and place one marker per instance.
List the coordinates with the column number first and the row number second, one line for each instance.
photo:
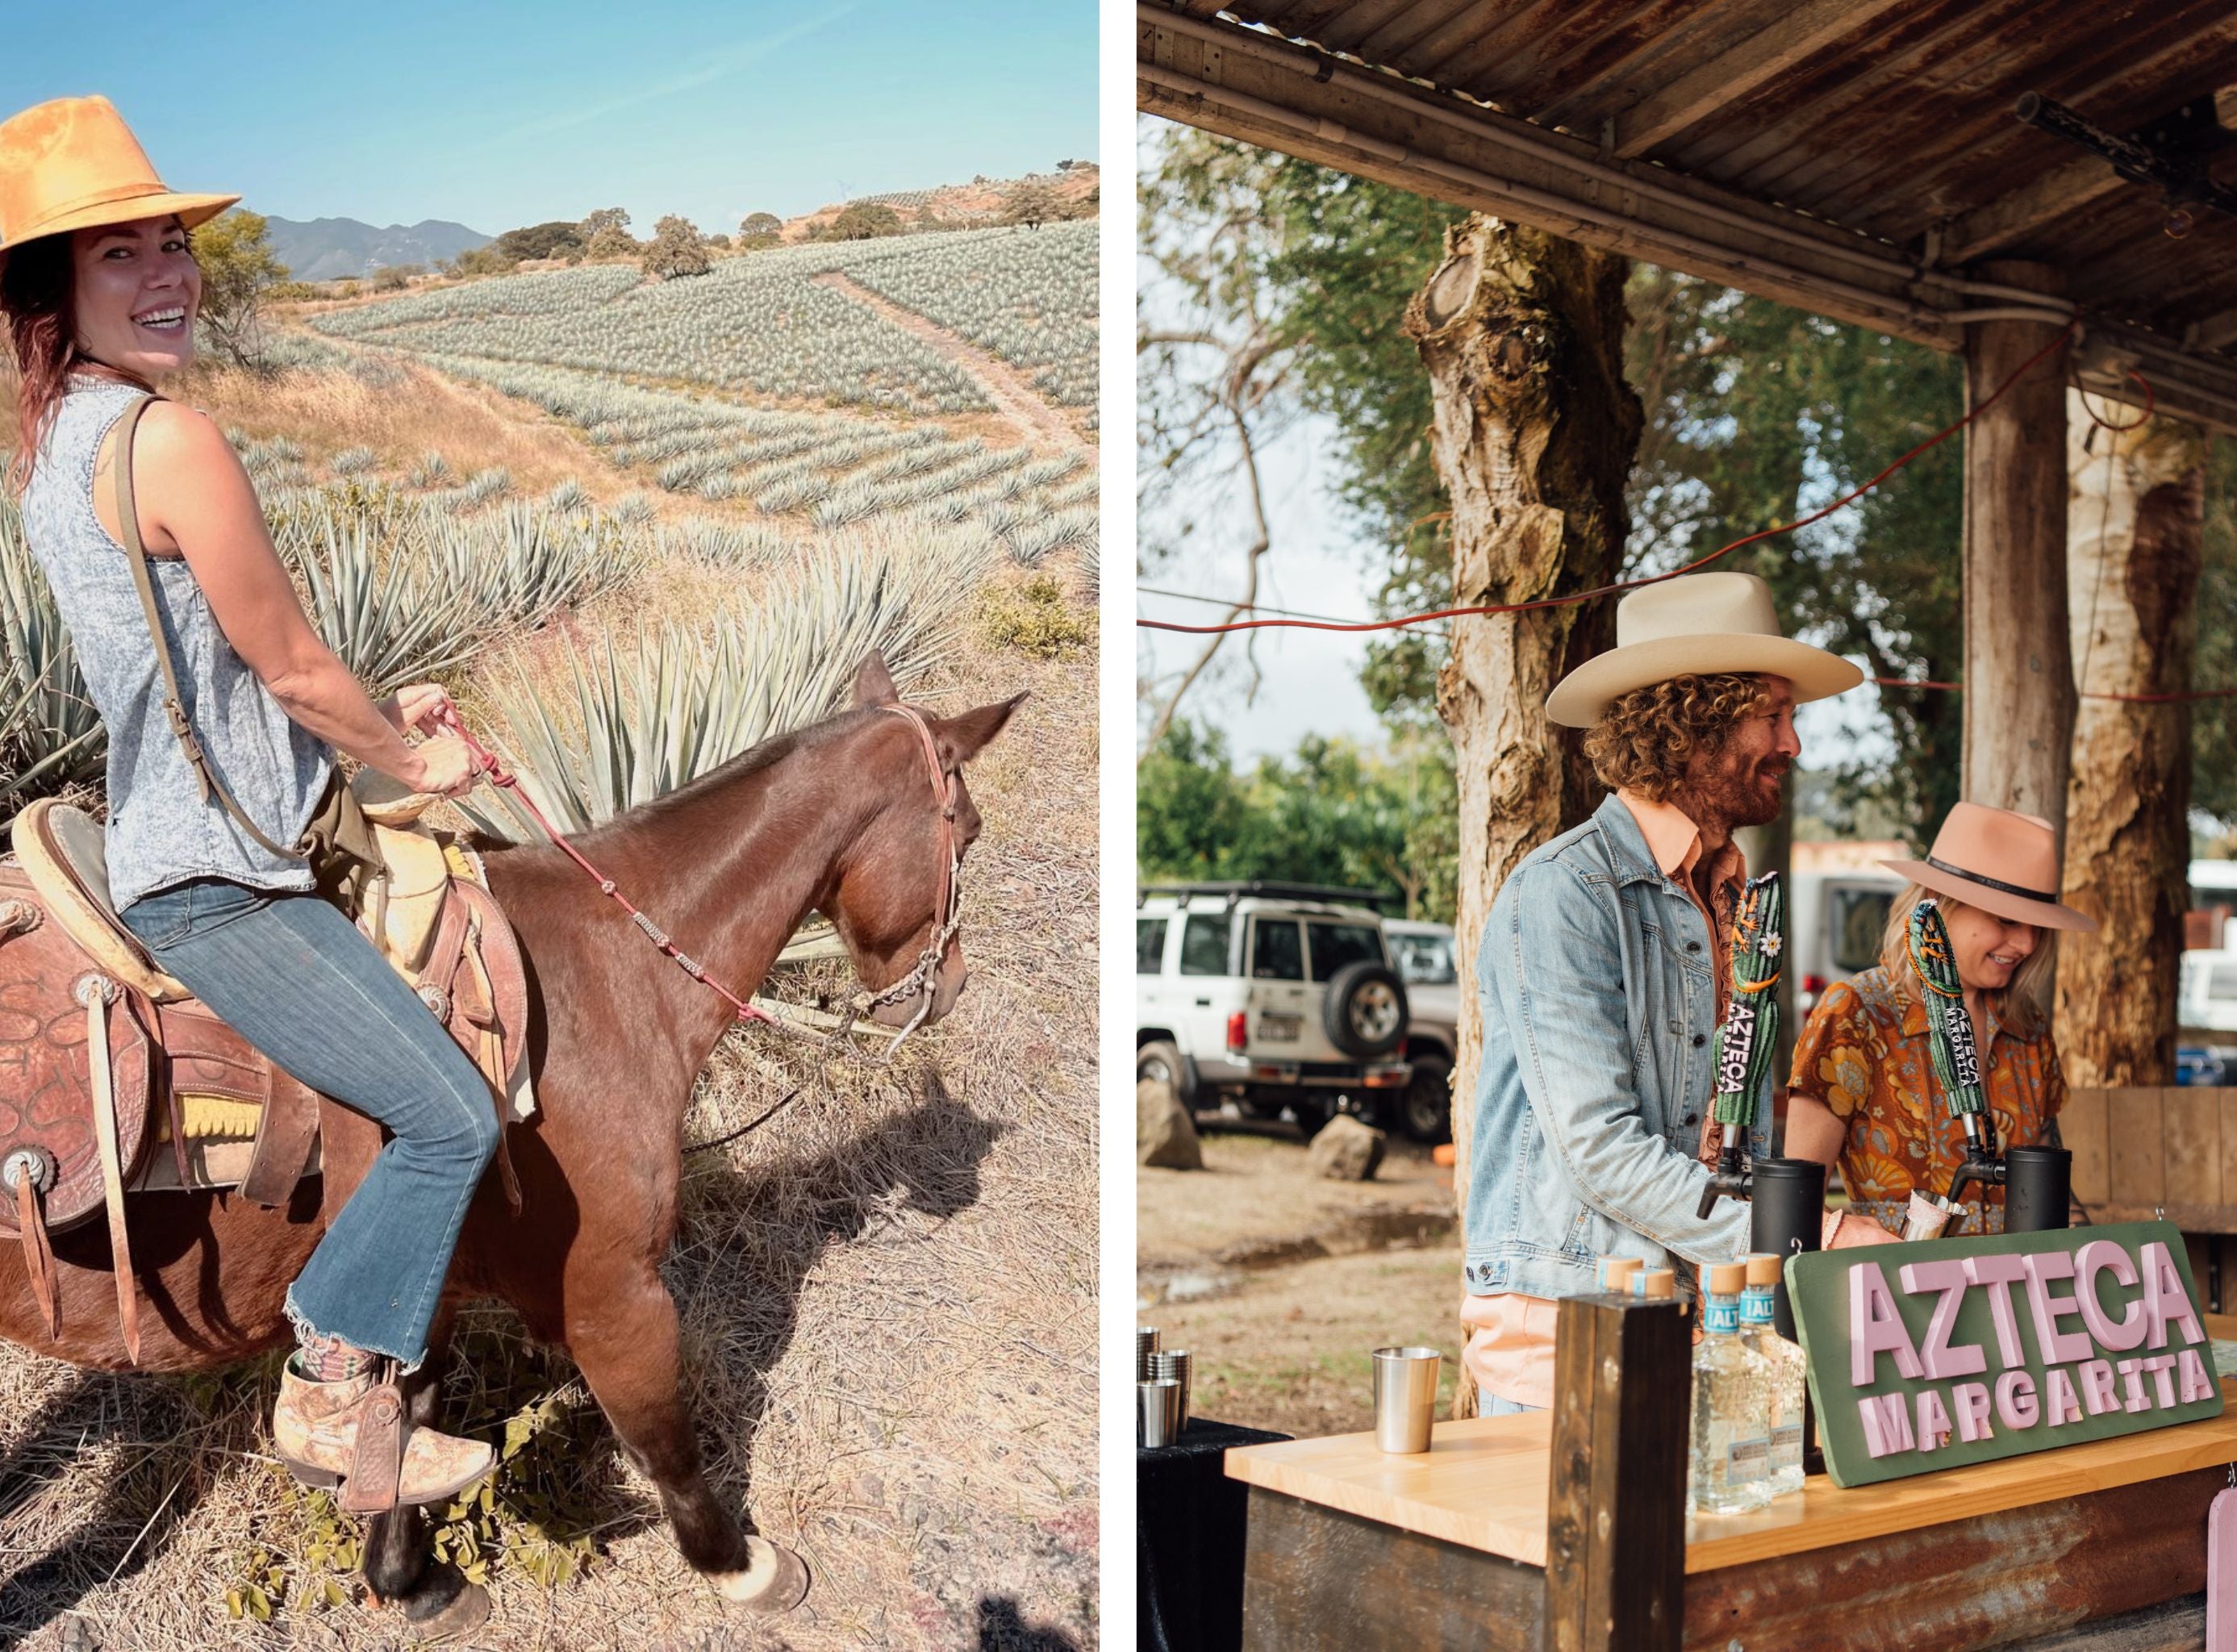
column 888, row 1307
column 1282, row 1284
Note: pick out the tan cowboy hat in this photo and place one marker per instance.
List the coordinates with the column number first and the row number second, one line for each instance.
column 71, row 163
column 1691, row 625
column 2002, row 862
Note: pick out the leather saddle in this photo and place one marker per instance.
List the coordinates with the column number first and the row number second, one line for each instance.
column 114, row 1080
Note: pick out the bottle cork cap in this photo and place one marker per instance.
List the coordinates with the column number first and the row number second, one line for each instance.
column 1725, row 1279
column 1613, row 1273
column 1762, row 1269
column 1657, row 1284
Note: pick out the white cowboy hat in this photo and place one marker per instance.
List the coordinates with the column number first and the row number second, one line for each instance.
column 2002, row 861
column 1694, row 625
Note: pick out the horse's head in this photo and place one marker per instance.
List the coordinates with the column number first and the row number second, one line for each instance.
column 895, row 904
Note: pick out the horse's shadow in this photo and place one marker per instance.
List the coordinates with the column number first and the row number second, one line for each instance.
column 749, row 1237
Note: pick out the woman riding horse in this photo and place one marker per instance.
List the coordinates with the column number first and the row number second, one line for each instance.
column 100, row 289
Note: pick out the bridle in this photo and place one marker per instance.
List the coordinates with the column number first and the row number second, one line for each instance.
column 919, row 983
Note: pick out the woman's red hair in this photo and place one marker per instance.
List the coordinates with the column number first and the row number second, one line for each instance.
column 35, row 293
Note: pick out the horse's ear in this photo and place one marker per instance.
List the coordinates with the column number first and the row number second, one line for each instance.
column 963, row 736
column 873, row 684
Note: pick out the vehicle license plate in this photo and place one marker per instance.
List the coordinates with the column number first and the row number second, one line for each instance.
column 1281, row 1029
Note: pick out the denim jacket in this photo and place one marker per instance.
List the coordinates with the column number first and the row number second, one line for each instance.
column 1595, row 979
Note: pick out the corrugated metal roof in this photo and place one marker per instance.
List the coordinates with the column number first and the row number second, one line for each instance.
column 1883, row 117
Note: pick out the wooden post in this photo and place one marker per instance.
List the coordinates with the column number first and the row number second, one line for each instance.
column 1615, row 1501
column 2019, row 672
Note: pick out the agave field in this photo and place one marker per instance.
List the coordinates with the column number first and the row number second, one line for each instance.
column 803, row 472
column 761, row 323
column 1034, row 304
column 407, row 587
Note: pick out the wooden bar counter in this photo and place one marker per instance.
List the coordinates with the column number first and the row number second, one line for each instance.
column 2099, row 1546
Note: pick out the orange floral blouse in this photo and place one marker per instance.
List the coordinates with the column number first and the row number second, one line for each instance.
column 1864, row 1054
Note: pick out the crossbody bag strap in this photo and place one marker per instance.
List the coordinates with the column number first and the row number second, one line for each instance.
column 128, row 520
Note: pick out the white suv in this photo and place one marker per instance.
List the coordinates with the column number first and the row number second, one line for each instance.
column 1424, row 956
column 1269, row 995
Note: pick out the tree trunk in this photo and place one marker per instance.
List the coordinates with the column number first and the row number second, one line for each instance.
column 1535, row 433
column 2134, row 536
column 2019, row 677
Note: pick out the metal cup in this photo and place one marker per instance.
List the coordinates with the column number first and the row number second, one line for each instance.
column 1405, row 1398
column 1180, row 1364
column 2037, row 1184
column 1157, row 1411
column 1146, row 1341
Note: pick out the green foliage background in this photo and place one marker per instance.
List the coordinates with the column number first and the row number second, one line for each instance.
column 1757, row 414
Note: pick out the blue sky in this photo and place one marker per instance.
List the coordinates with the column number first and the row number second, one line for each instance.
column 494, row 115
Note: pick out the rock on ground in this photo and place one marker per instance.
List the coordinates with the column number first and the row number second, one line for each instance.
column 1165, row 1135
column 1347, row 1150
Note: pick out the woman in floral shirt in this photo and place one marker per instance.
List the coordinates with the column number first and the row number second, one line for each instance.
column 1863, row 1093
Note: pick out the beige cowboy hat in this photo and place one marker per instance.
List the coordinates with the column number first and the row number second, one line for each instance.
column 1695, row 624
column 2002, row 862
column 71, row 163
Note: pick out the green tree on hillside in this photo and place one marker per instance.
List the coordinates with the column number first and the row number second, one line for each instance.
column 611, row 241
column 755, row 225
column 605, row 218
column 554, row 239
column 1032, row 203
column 863, row 221
column 239, row 271
column 676, row 249
column 482, row 260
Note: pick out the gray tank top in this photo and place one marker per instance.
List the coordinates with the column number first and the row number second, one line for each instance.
column 161, row 830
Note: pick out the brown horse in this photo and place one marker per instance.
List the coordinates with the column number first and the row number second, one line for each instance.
column 839, row 818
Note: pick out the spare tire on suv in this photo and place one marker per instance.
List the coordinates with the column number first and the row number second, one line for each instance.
column 1365, row 1010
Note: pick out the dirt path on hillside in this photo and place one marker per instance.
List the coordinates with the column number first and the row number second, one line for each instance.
column 1010, row 390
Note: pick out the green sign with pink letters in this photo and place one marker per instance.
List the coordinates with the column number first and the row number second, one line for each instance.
column 1954, row 1350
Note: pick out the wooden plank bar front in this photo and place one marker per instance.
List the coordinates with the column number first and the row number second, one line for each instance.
column 2026, row 1551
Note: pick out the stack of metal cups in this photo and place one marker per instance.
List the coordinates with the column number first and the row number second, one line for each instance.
column 1160, row 1391
column 1178, row 1364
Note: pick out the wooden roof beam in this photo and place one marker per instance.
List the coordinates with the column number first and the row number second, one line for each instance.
column 1775, row 38
column 2213, row 332
column 2080, row 183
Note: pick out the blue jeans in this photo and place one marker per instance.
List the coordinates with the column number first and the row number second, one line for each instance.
column 292, row 976
column 1494, row 1405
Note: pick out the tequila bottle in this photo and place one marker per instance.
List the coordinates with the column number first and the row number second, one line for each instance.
column 1783, row 1364
column 1730, row 1469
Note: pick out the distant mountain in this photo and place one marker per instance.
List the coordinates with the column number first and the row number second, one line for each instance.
column 326, row 248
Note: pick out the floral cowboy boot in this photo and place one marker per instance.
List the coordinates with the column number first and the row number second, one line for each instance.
column 354, row 1432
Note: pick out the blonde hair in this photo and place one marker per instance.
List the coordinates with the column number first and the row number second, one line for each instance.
column 1645, row 740
column 2022, row 1008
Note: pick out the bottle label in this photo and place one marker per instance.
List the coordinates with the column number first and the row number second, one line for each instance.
column 1723, row 1313
column 1786, row 1446
column 1756, row 1305
column 1750, row 1459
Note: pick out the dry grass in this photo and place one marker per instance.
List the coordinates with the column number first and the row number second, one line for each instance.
column 888, row 1295
column 471, row 425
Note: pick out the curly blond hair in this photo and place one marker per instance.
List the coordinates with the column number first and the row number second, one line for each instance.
column 1646, row 739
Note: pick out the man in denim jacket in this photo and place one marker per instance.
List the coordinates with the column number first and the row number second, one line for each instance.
column 1602, row 973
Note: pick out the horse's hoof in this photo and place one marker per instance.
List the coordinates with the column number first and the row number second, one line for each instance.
column 444, row 1609
column 774, row 1580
